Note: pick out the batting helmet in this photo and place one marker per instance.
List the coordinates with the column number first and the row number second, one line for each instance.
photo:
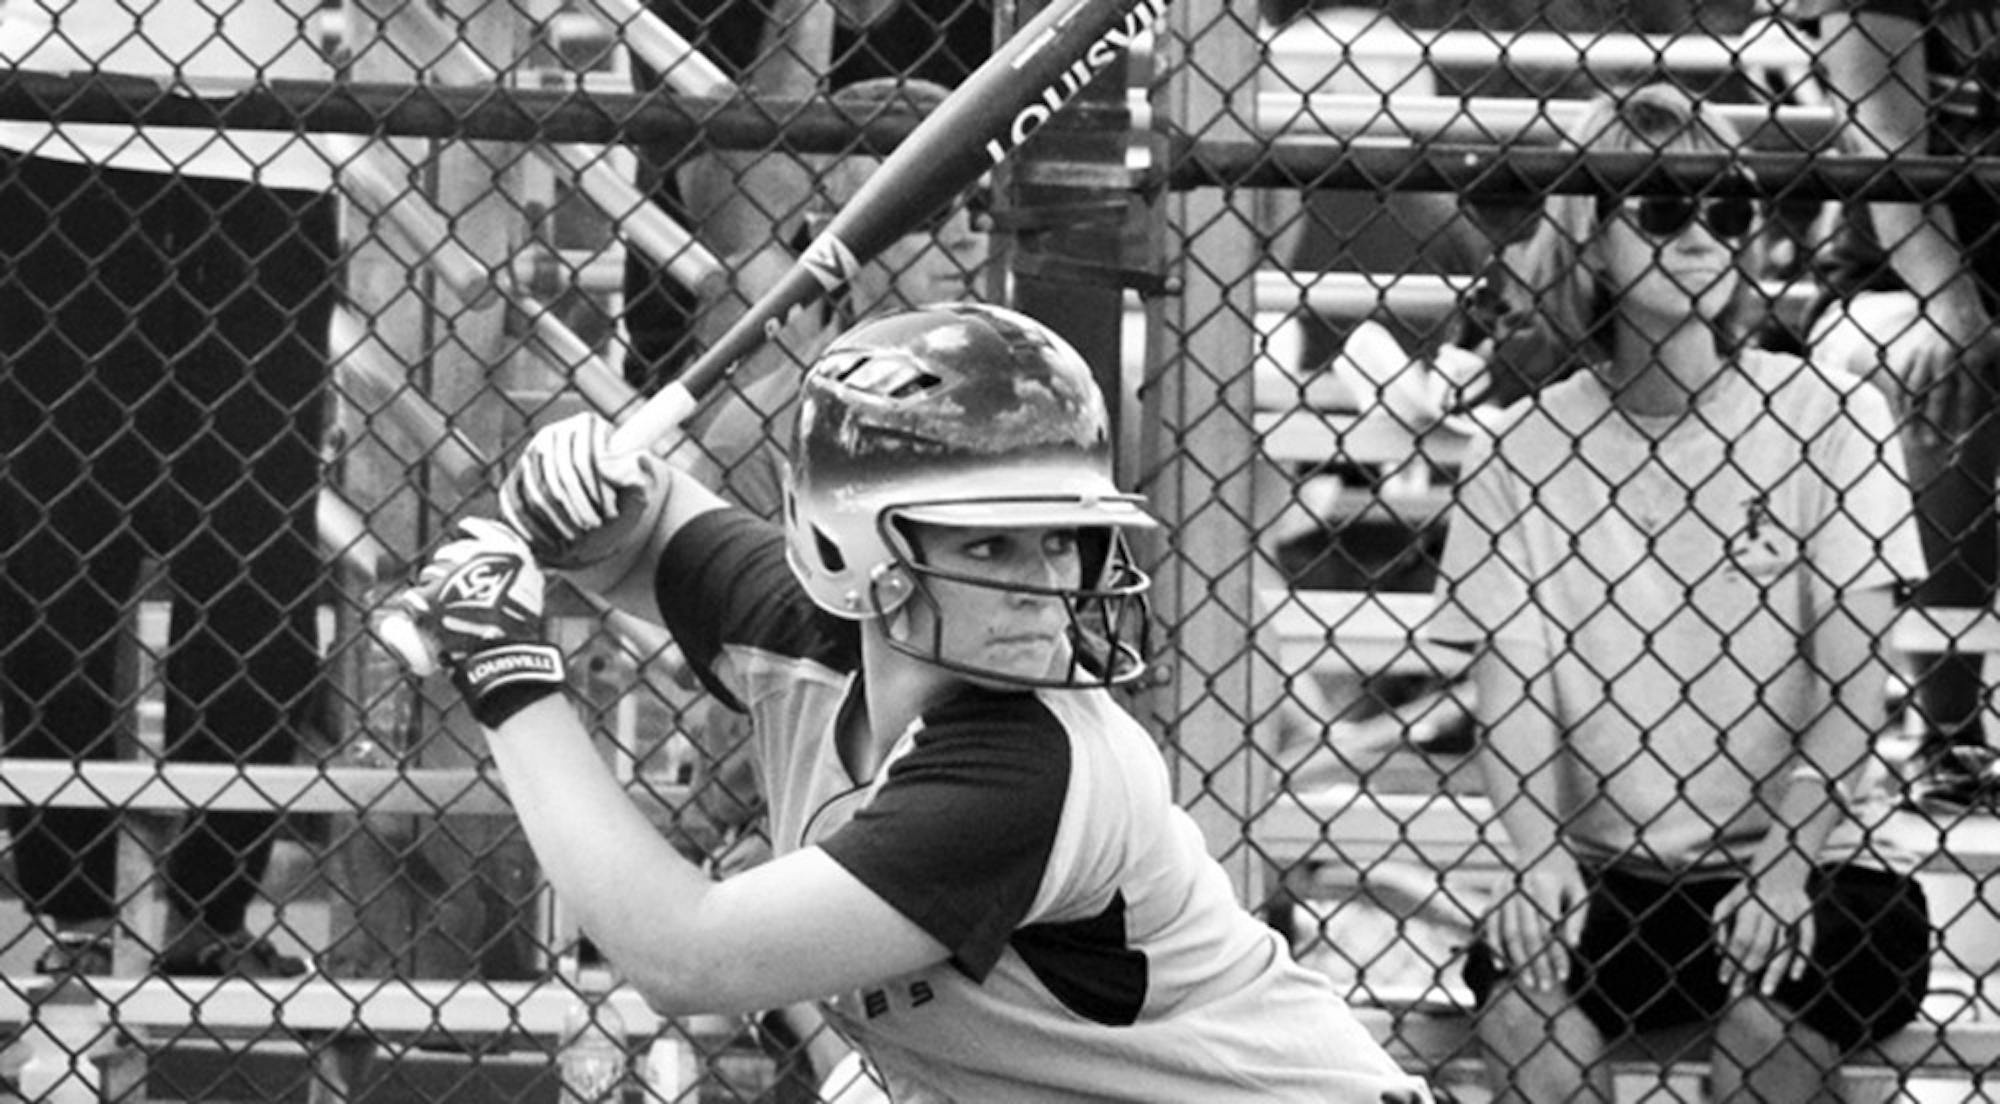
column 970, row 416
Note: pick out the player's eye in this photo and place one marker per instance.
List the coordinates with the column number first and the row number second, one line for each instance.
column 985, row 549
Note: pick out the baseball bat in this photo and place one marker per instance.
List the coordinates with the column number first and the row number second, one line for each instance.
column 1028, row 78
column 1025, row 82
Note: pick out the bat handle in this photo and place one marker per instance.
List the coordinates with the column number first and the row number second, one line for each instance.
column 655, row 425
column 399, row 628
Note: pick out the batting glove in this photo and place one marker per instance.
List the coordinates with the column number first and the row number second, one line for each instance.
column 483, row 599
column 575, row 500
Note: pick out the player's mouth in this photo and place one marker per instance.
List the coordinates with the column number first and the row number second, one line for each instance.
column 1046, row 638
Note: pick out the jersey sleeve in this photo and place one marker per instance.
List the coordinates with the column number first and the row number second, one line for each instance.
column 723, row 582
column 959, row 836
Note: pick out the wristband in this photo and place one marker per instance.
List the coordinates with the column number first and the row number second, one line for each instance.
column 501, row 681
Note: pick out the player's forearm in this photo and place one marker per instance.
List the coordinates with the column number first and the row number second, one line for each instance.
column 631, row 892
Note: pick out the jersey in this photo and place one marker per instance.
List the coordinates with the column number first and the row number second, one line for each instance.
column 1097, row 952
column 1673, row 579
column 189, row 43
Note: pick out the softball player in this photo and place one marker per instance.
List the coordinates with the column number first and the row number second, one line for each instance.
column 982, row 873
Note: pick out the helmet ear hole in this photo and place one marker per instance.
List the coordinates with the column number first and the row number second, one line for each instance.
column 829, row 552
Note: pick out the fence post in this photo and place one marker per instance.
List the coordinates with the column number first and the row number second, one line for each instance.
column 1200, row 451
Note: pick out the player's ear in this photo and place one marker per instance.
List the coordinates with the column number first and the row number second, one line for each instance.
column 891, row 589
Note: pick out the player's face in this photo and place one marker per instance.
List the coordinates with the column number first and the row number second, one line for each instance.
column 999, row 597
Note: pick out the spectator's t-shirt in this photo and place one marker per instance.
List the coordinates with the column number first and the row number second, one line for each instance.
column 1097, row 952
column 1673, row 579
column 198, row 45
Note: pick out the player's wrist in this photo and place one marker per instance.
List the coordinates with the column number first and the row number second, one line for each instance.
column 500, row 681
column 607, row 552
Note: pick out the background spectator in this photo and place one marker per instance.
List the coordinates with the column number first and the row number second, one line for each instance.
column 1674, row 568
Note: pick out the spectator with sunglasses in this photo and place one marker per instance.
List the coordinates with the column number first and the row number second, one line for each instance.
column 1913, row 290
column 1671, row 569
column 1504, row 351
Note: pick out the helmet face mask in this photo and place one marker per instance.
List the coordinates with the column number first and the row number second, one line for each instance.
column 961, row 416
column 1106, row 622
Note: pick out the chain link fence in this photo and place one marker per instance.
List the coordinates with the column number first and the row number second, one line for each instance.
column 286, row 283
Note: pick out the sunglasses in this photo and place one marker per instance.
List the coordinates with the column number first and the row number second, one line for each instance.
column 1729, row 218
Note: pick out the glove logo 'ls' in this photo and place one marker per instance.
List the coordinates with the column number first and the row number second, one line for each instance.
column 491, row 598
column 482, row 582
column 489, row 623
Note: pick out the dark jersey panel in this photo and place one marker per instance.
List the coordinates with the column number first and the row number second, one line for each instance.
column 1090, row 965
column 959, row 835
column 723, row 580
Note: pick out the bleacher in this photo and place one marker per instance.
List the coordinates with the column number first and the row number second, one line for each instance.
column 97, row 1039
